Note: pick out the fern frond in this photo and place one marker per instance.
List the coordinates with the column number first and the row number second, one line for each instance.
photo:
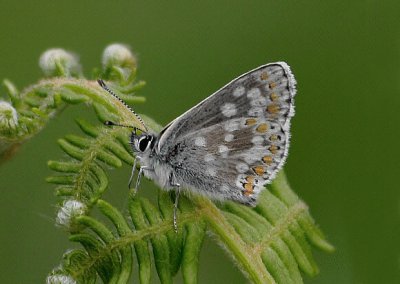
column 271, row 243
column 84, row 176
column 268, row 248
column 27, row 112
column 109, row 250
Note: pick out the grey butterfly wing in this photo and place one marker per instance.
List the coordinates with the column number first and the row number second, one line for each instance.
column 234, row 142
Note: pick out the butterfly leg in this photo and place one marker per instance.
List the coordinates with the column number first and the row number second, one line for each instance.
column 132, row 174
column 177, row 187
column 177, row 192
column 139, row 177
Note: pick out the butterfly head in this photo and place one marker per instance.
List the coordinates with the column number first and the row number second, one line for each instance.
column 142, row 142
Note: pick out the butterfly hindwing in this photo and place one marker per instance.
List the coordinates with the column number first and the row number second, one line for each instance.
column 234, row 142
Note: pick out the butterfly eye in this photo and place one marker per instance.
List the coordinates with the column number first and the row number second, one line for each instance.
column 144, row 142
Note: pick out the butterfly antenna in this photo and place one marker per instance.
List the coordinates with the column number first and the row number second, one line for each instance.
column 110, row 123
column 106, row 88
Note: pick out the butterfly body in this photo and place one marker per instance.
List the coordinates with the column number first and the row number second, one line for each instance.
column 230, row 145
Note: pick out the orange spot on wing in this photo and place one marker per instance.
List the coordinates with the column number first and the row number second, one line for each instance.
column 273, row 137
column 267, row 159
column 264, row 76
column 273, row 96
column 273, row 149
column 263, row 127
column 259, row 170
column 250, row 179
column 273, row 108
column 248, row 186
column 272, row 85
column 251, row 121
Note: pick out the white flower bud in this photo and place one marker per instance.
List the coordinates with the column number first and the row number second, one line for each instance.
column 60, row 279
column 8, row 117
column 69, row 211
column 119, row 55
column 58, row 62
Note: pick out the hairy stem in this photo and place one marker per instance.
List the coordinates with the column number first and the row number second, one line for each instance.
column 249, row 259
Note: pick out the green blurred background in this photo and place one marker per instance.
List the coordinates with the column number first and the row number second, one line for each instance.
column 344, row 158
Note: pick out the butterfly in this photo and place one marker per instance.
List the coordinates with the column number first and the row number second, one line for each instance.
column 227, row 147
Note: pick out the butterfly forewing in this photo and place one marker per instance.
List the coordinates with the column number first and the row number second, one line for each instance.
column 234, row 142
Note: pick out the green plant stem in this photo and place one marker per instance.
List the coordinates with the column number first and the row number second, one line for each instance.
column 46, row 98
column 248, row 259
